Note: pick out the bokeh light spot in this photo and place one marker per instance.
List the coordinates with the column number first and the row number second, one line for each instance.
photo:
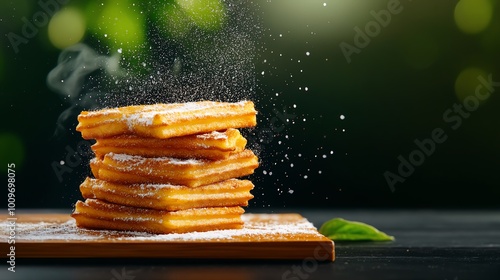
column 11, row 149
column 66, row 28
column 122, row 26
column 473, row 16
column 174, row 21
column 468, row 81
column 207, row 14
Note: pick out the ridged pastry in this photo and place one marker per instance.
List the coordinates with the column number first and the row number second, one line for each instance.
column 166, row 120
column 214, row 145
column 167, row 168
column 123, row 168
column 232, row 192
column 97, row 214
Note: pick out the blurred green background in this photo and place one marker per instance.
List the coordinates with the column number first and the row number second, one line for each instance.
column 364, row 103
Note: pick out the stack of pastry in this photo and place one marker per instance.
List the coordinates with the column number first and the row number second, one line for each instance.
column 167, row 168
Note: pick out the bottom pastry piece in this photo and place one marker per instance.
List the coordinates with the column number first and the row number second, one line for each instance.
column 97, row 214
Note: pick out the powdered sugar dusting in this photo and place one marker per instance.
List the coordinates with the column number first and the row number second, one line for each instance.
column 199, row 109
column 51, row 231
column 265, row 227
column 212, row 135
column 124, row 157
column 130, row 159
column 158, row 186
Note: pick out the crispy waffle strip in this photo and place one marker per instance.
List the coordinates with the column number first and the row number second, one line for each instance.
column 214, row 145
column 191, row 173
column 96, row 214
column 166, row 120
column 232, row 192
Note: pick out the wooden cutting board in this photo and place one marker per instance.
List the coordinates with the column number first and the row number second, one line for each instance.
column 264, row 236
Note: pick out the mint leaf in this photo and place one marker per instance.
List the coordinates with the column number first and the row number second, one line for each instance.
column 339, row 229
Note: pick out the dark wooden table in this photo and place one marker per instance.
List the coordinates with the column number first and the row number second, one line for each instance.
column 430, row 244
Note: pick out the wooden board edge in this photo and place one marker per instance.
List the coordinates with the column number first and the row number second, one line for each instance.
column 289, row 250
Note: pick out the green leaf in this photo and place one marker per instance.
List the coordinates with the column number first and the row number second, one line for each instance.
column 339, row 229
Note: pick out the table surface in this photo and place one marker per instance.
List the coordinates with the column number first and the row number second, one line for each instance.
column 430, row 244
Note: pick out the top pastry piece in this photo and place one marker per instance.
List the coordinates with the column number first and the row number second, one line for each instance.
column 166, row 120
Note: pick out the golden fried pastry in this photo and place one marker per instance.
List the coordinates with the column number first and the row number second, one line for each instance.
column 232, row 192
column 214, row 145
column 166, row 120
column 122, row 168
column 97, row 214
